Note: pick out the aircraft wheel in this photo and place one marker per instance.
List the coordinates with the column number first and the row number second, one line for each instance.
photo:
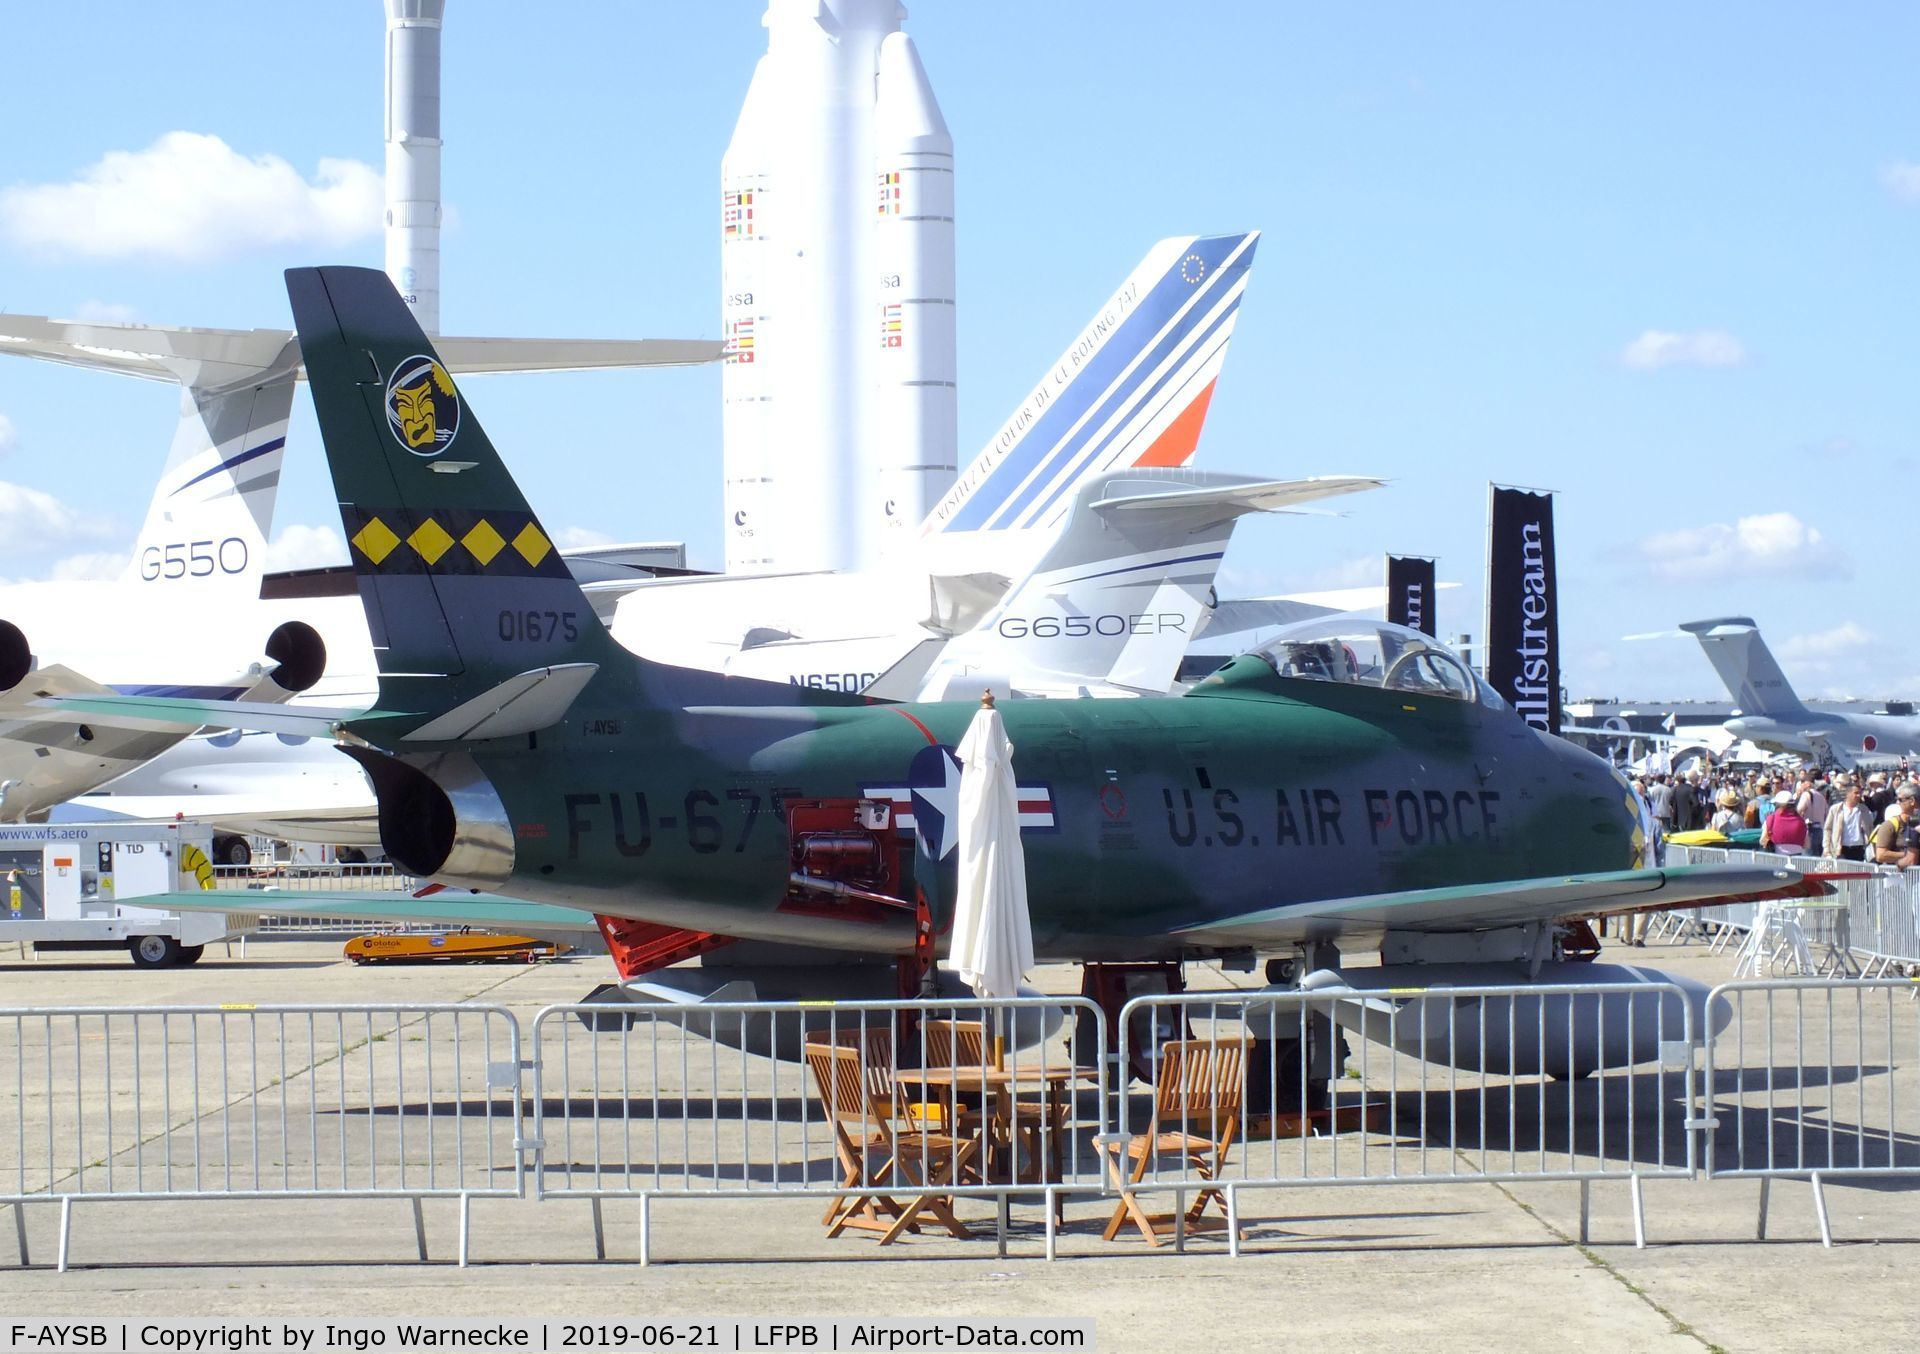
column 190, row 954
column 233, row 851
column 1569, row 1074
column 154, row 951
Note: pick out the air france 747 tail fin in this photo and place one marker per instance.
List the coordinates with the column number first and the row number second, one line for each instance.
column 1754, row 680
column 1131, row 390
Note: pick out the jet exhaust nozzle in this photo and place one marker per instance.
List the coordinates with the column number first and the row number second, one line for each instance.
column 440, row 817
column 300, row 656
column 16, row 656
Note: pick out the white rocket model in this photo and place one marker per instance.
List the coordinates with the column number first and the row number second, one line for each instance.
column 413, row 155
column 837, row 281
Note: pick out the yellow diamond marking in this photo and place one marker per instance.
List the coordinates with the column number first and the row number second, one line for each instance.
column 484, row 542
column 431, row 540
column 375, row 540
column 532, row 544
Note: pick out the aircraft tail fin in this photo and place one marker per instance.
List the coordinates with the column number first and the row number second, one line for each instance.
column 1132, row 390
column 1754, row 679
column 469, row 602
column 212, row 511
column 1123, row 588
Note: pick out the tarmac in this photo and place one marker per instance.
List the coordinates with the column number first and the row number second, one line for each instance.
column 1463, row 1266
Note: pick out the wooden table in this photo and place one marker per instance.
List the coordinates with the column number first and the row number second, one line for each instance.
column 946, row 1084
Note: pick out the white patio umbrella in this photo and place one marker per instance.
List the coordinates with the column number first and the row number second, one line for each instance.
column 992, row 945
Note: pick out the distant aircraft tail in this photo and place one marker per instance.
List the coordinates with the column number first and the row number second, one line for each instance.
column 1121, row 591
column 1754, row 680
column 1132, row 390
column 212, row 512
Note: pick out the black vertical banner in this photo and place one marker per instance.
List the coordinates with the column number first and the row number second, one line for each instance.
column 1410, row 599
column 1523, row 606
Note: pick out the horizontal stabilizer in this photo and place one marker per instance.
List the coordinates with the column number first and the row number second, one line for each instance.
column 1238, row 497
column 211, row 358
column 524, row 704
column 450, row 907
column 187, row 712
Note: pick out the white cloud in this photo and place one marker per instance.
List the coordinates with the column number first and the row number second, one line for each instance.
column 1656, row 348
column 94, row 566
column 580, row 538
column 304, row 547
column 105, row 312
column 1767, row 545
column 32, row 521
column 1848, row 637
column 1902, row 180
column 192, row 197
column 7, row 434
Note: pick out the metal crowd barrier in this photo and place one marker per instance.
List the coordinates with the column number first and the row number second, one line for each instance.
column 878, row 1107
column 868, row 1101
column 256, row 1102
column 1814, row 1081
column 1878, row 922
column 1543, row 1099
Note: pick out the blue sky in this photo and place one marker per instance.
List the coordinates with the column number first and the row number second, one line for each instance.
column 1660, row 258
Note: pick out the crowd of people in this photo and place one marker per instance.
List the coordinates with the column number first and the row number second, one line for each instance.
column 1872, row 817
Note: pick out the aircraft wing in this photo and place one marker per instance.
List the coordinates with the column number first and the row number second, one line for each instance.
column 55, row 679
column 448, row 908
column 165, row 713
column 1485, row 907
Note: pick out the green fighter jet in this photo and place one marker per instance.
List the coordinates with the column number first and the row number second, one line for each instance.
column 1341, row 789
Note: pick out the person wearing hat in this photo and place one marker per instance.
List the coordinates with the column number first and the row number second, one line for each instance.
column 1785, row 831
column 1728, row 816
column 1891, row 839
column 1849, row 824
column 1878, row 796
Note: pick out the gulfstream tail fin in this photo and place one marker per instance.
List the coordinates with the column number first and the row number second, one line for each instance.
column 475, row 619
column 1754, row 680
column 1124, row 587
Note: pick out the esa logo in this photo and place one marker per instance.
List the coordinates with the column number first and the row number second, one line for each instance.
column 1080, row 627
column 422, row 409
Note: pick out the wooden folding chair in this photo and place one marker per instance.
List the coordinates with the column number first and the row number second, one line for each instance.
column 1199, row 1086
column 857, row 1090
column 963, row 1044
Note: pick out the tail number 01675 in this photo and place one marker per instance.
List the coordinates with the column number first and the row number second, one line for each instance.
column 531, row 627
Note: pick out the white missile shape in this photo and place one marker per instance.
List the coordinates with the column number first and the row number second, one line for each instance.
column 745, row 403
column 915, row 439
column 839, row 392
column 413, row 155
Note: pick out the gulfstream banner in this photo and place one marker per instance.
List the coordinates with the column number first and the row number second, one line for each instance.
column 1410, row 593
column 1523, row 626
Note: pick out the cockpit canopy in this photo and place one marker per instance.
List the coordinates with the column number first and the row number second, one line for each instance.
column 1361, row 652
